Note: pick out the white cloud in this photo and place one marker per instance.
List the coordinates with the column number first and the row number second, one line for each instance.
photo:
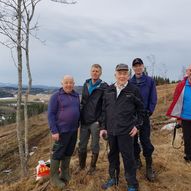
column 106, row 32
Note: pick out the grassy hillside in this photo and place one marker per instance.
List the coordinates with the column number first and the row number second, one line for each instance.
column 171, row 170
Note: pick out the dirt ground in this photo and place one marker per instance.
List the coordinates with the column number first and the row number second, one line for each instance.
column 172, row 172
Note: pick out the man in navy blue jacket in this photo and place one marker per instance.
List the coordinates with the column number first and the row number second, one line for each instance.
column 147, row 89
column 63, row 119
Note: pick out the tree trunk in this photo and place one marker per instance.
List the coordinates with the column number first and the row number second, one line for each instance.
column 27, row 93
column 19, row 94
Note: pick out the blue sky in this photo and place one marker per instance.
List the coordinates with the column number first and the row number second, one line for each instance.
column 107, row 32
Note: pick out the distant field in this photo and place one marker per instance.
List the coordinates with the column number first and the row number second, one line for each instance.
column 36, row 105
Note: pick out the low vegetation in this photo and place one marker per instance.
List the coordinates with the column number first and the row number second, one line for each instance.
column 171, row 170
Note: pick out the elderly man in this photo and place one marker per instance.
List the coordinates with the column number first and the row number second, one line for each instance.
column 147, row 89
column 91, row 108
column 63, row 118
column 122, row 116
column 181, row 109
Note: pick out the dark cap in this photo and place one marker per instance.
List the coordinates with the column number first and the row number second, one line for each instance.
column 137, row 61
column 122, row 67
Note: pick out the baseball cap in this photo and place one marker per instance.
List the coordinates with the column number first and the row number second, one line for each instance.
column 121, row 67
column 137, row 61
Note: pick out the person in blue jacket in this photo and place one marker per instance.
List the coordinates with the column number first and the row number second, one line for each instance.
column 180, row 109
column 147, row 89
column 63, row 119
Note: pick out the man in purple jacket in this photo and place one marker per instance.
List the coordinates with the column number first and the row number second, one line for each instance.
column 63, row 118
column 147, row 89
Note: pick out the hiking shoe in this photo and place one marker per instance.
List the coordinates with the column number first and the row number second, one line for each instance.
column 132, row 189
column 111, row 182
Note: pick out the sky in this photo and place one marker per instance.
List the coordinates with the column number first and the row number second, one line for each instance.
column 107, row 32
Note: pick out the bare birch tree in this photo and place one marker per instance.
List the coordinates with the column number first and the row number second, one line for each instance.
column 29, row 9
column 15, row 20
column 152, row 60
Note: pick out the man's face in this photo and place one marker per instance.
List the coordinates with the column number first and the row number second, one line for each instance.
column 122, row 76
column 138, row 69
column 68, row 85
column 95, row 73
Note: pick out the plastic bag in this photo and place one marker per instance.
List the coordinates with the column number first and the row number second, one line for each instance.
column 42, row 170
column 168, row 127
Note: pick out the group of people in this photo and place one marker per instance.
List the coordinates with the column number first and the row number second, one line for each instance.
column 119, row 112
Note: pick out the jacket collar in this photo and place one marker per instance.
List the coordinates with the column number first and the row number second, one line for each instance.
column 88, row 80
column 142, row 78
column 73, row 93
column 113, row 87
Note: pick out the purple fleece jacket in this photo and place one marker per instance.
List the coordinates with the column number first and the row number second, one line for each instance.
column 64, row 111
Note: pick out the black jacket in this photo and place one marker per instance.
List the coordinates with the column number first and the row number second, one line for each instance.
column 91, row 104
column 122, row 113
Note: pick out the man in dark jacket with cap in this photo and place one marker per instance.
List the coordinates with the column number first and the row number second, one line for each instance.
column 147, row 88
column 122, row 116
column 91, row 108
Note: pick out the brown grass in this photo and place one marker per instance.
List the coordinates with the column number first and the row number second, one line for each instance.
column 172, row 172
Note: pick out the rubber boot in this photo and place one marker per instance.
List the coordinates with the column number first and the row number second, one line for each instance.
column 54, row 174
column 150, row 175
column 65, row 170
column 93, row 163
column 82, row 159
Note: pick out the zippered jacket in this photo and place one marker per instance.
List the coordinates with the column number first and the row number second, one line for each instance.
column 148, row 91
column 175, row 108
column 122, row 113
column 91, row 104
column 64, row 111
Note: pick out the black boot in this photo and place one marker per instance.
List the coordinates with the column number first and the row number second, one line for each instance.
column 150, row 175
column 93, row 163
column 82, row 159
column 138, row 163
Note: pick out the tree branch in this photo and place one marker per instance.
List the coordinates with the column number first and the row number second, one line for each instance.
column 64, row 1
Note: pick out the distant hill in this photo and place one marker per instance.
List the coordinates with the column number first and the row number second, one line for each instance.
column 9, row 90
column 7, row 84
column 4, row 94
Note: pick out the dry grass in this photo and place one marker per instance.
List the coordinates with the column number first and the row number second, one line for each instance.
column 171, row 170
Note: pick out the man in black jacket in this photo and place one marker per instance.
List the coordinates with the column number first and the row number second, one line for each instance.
column 122, row 116
column 91, row 109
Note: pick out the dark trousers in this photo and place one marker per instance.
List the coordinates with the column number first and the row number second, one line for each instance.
column 122, row 144
column 85, row 132
column 64, row 146
column 186, row 128
column 144, row 136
